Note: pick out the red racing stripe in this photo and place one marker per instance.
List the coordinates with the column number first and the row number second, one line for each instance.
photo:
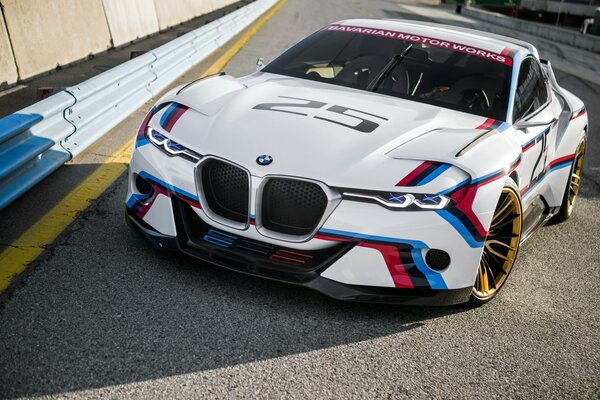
column 180, row 111
column 394, row 263
column 412, row 175
column 464, row 198
column 579, row 113
column 486, row 124
column 560, row 160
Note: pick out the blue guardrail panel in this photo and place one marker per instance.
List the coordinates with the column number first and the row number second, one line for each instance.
column 14, row 124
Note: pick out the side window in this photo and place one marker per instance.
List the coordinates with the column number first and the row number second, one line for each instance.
column 532, row 92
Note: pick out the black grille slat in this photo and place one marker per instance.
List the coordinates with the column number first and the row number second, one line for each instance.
column 226, row 190
column 292, row 206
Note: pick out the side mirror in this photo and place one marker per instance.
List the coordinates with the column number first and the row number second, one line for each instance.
column 259, row 64
column 523, row 125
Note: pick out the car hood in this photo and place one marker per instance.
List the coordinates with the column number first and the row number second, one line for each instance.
column 311, row 129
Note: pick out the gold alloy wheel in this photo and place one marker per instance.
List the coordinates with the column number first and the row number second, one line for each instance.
column 576, row 176
column 501, row 246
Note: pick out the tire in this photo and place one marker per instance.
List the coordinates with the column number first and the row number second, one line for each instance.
column 572, row 185
column 501, row 246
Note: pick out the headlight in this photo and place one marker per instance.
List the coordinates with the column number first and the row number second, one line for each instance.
column 401, row 201
column 170, row 147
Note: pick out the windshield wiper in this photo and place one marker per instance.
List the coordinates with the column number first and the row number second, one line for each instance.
column 387, row 70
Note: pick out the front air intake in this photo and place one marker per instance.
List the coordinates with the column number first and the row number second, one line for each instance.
column 291, row 206
column 437, row 259
column 226, row 189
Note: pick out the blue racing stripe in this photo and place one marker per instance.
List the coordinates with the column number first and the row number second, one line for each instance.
column 218, row 242
column 146, row 175
column 167, row 113
column 553, row 168
column 434, row 174
column 413, row 243
column 453, row 188
column 503, row 126
column 488, row 176
column 434, row 278
column 141, row 142
column 462, row 230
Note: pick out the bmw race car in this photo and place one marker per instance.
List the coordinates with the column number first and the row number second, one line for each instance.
column 375, row 160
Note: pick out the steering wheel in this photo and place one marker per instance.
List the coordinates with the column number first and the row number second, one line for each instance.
column 475, row 99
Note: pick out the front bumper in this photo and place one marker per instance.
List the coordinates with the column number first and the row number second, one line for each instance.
column 362, row 252
column 191, row 240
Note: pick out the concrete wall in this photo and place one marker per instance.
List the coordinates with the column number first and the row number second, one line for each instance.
column 47, row 33
column 60, row 32
column 560, row 35
column 173, row 12
column 130, row 19
column 8, row 69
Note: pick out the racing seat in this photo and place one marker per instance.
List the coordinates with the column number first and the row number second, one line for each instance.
column 479, row 89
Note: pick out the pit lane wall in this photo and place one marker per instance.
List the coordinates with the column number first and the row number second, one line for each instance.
column 37, row 36
column 38, row 139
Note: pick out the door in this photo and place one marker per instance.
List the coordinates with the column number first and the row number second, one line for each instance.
column 533, row 104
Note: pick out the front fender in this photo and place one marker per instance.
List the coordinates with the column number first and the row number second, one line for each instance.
column 488, row 164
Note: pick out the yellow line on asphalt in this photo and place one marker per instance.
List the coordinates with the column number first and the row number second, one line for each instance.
column 34, row 240
column 19, row 254
column 233, row 50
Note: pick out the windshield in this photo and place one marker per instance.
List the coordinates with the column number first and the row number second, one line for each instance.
column 435, row 72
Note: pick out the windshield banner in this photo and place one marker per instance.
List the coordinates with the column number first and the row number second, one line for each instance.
column 410, row 37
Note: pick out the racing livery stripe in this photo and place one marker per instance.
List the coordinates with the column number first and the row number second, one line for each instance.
column 402, row 257
column 554, row 165
column 484, row 180
column 560, row 162
column 424, row 173
column 172, row 115
column 396, row 266
column 140, row 137
column 140, row 204
column 538, row 138
column 491, row 123
column 411, row 37
column 579, row 113
column 461, row 216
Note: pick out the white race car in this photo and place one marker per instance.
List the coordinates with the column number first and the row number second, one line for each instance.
column 375, row 160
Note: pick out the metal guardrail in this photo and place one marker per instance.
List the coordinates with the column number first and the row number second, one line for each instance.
column 38, row 139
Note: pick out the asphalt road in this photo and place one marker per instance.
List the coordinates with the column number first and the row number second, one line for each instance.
column 102, row 314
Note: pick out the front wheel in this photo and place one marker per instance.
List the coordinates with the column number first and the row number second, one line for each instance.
column 501, row 246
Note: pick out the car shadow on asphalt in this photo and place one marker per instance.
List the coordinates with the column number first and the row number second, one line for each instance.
column 107, row 308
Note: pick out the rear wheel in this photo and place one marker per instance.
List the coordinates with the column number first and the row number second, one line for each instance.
column 501, row 246
column 566, row 208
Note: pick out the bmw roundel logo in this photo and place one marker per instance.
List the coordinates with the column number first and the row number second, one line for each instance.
column 264, row 159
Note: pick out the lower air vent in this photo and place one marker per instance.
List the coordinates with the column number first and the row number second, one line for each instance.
column 291, row 206
column 437, row 259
